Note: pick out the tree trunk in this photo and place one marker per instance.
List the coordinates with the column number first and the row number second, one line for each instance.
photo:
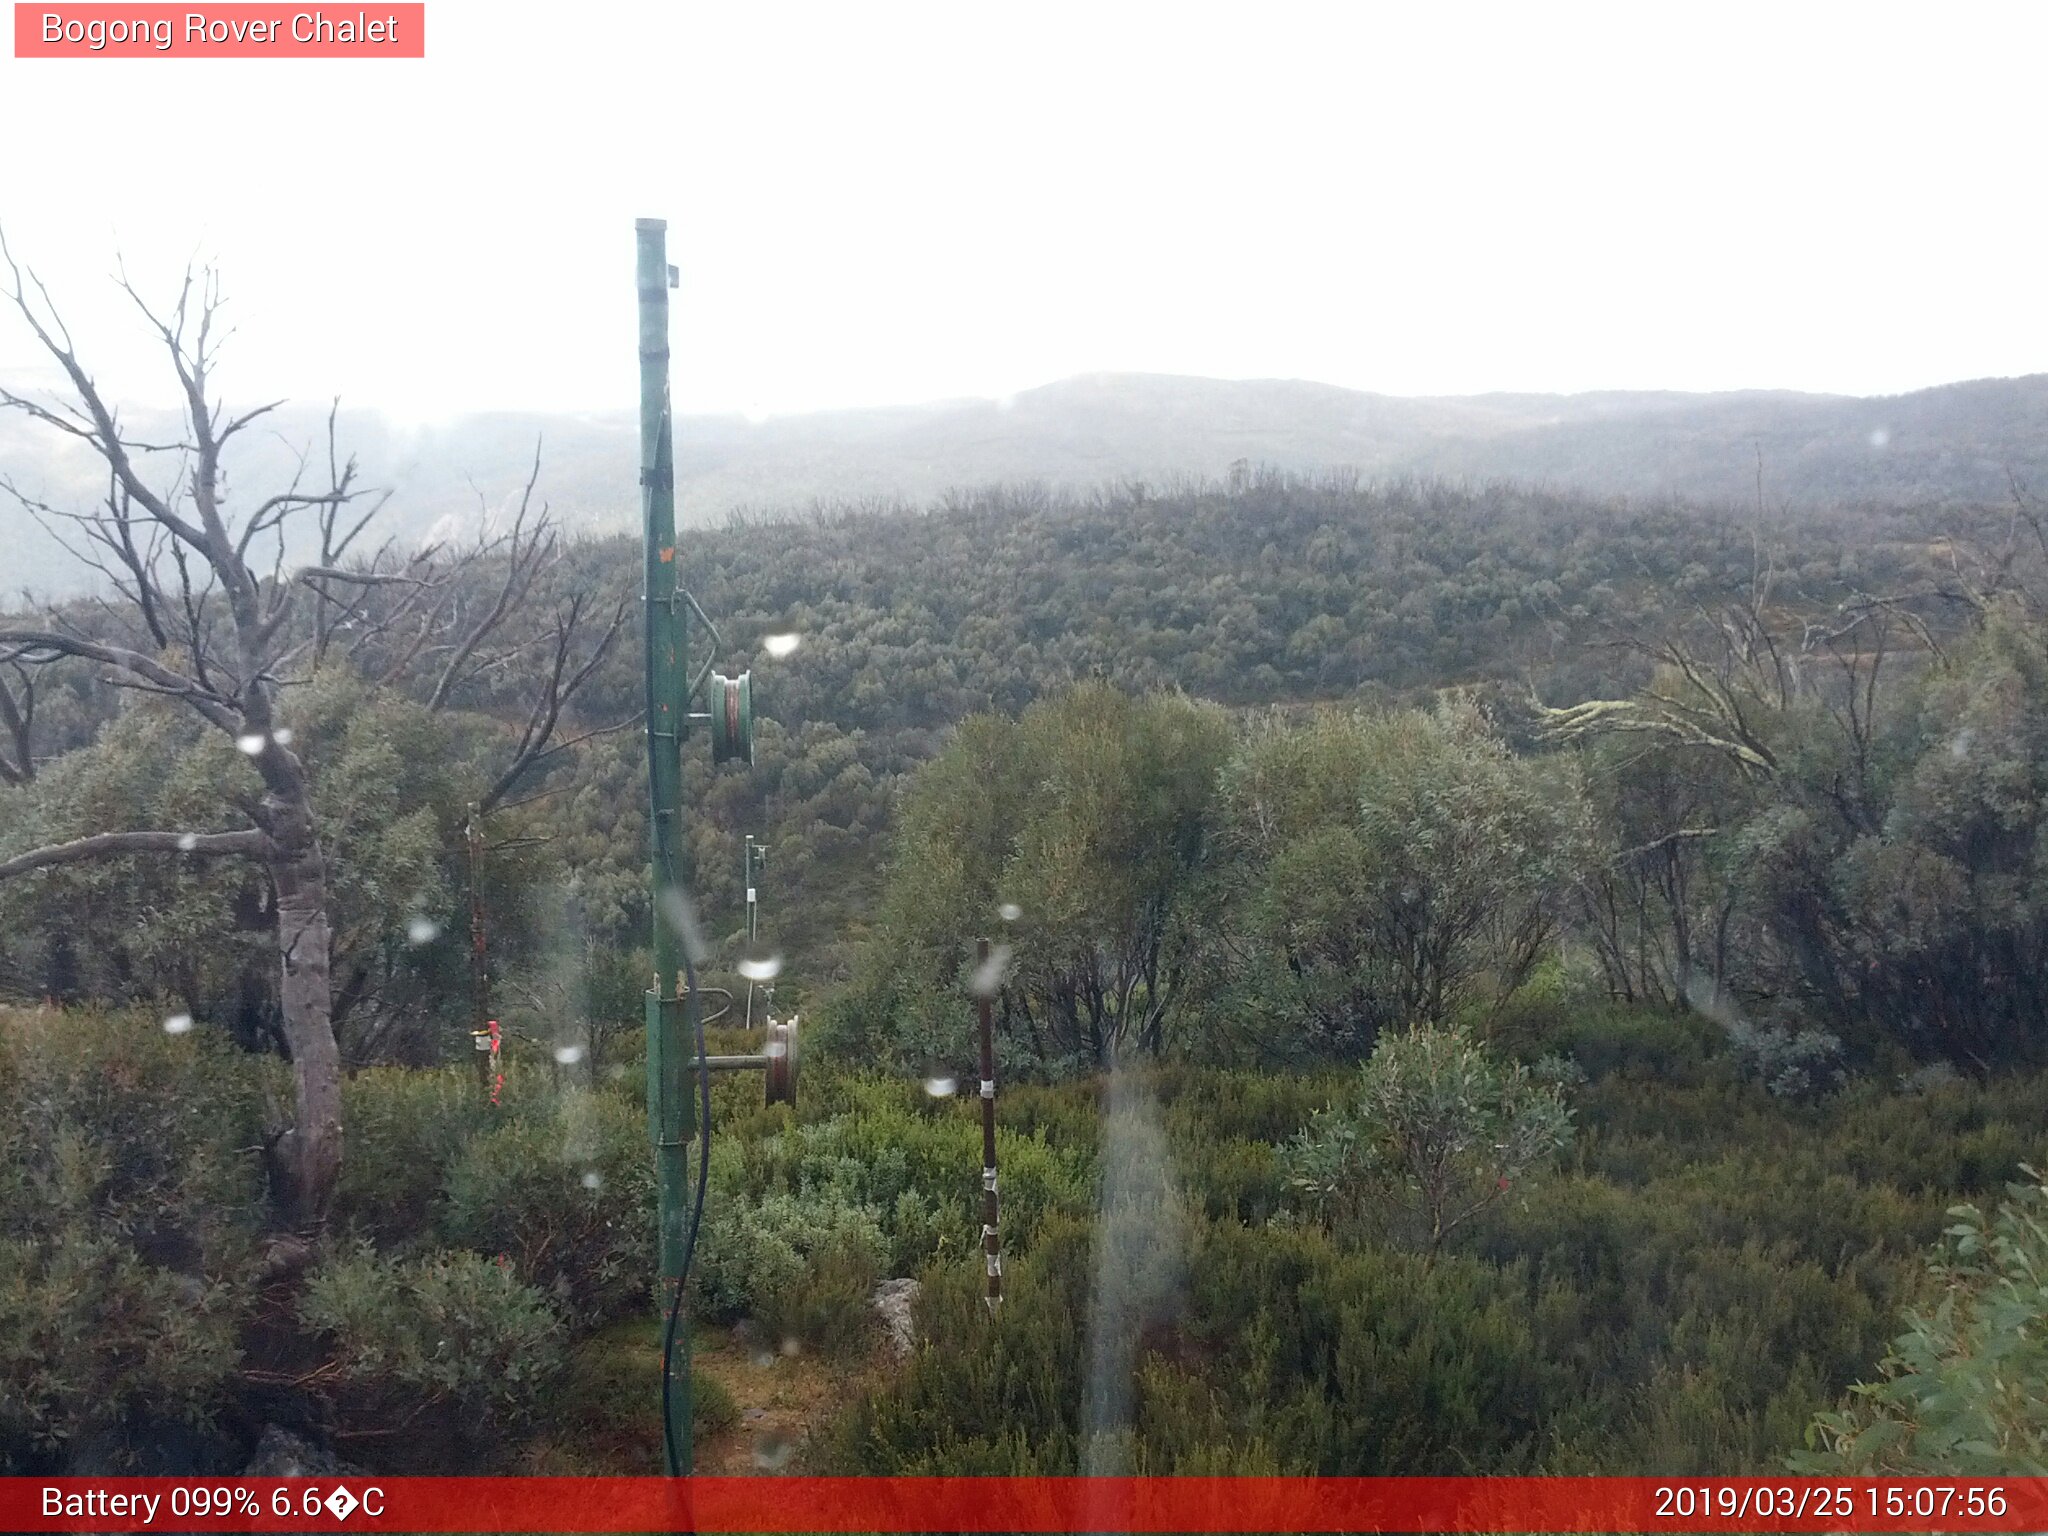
column 308, row 1156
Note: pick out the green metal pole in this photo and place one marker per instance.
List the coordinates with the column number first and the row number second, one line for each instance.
column 670, row 1112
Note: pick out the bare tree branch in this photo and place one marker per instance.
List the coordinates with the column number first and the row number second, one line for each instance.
column 96, row 422
column 561, row 686
column 310, row 574
column 33, row 645
column 527, row 554
column 245, row 844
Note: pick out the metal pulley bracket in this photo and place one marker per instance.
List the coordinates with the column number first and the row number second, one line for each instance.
column 777, row 1061
column 689, row 600
column 730, row 704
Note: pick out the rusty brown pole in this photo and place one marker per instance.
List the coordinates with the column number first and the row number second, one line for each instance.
column 479, row 959
column 991, row 1241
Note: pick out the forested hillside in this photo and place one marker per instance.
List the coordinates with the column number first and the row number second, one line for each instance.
column 1675, row 863
column 1281, row 591
column 1952, row 445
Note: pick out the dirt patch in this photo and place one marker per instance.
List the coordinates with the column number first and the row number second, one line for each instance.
column 605, row 1417
column 786, row 1398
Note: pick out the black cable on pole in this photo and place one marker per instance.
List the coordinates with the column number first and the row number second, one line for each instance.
column 694, row 1010
column 675, row 1305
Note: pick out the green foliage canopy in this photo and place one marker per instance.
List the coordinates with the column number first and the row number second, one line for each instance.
column 1964, row 1391
column 1434, row 1132
column 1090, row 817
column 1394, row 869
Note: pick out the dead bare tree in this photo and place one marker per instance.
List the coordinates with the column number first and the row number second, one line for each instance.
column 200, row 616
column 223, row 667
column 1718, row 701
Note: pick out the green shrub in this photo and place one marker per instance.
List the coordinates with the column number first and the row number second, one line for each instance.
column 1803, row 1064
column 149, row 1135
column 1282, row 1352
column 1435, row 1133
column 1656, row 1044
column 1258, row 1106
column 829, row 1305
column 1964, row 1391
column 1424, row 1375
column 567, row 1195
column 994, row 1394
column 915, row 1163
column 131, row 1196
column 1235, row 1179
column 405, row 1129
column 1060, row 1114
column 804, row 1267
column 454, row 1341
column 1709, row 1270
column 93, row 1338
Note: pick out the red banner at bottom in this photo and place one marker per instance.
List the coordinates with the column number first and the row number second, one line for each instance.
column 1023, row 1504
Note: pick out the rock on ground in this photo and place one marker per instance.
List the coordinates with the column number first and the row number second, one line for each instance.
column 895, row 1300
column 280, row 1453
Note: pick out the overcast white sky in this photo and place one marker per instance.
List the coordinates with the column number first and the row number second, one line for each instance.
column 876, row 203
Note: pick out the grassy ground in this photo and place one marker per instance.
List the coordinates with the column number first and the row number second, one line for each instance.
column 757, row 1403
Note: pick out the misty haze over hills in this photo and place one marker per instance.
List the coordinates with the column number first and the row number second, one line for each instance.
column 1955, row 443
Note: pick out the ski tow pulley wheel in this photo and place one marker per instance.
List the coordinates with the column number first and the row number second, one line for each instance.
column 732, row 718
column 782, row 1063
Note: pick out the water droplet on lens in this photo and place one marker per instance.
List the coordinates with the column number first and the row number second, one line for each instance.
column 178, row 1024
column 772, row 1450
column 592, row 1179
column 677, row 912
column 762, row 970
column 792, row 1347
column 422, row 930
column 988, row 976
column 251, row 744
column 283, row 738
column 1009, row 911
column 568, row 1055
column 781, row 645
column 188, row 842
column 941, row 1087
